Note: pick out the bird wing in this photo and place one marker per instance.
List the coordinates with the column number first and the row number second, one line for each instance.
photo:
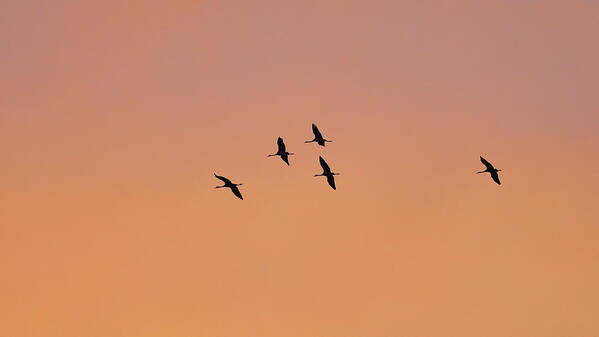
column 235, row 191
column 281, row 145
column 285, row 157
column 331, row 181
column 225, row 180
column 316, row 132
column 325, row 166
column 487, row 164
column 495, row 177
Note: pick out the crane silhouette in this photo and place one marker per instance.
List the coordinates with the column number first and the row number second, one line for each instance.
column 230, row 185
column 491, row 170
column 326, row 171
column 282, row 151
column 318, row 137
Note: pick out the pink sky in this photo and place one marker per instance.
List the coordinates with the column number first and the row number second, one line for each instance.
column 115, row 114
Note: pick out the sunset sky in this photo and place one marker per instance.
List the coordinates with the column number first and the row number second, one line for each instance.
column 115, row 114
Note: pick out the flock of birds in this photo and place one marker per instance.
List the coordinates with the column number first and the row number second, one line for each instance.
column 326, row 170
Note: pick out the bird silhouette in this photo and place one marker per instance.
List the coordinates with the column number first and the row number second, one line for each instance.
column 318, row 137
column 326, row 171
column 491, row 170
column 230, row 185
column 282, row 152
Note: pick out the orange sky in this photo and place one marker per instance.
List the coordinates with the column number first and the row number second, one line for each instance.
column 115, row 114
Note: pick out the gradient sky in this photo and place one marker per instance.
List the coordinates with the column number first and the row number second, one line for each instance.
column 115, row 114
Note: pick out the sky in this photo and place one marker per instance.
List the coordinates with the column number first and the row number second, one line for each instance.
column 115, row 114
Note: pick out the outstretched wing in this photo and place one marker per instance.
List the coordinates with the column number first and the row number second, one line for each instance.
column 285, row 157
column 495, row 177
column 281, row 145
column 225, row 180
column 331, row 181
column 325, row 166
column 487, row 164
column 316, row 132
column 235, row 191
